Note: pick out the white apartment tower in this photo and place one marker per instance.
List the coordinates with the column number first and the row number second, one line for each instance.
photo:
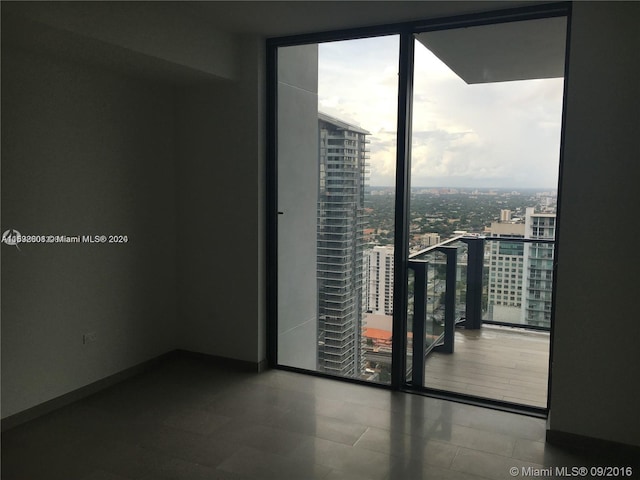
column 340, row 258
column 379, row 286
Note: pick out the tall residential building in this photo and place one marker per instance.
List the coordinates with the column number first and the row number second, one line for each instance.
column 506, row 267
column 521, row 274
column 379, row 284
column 340, row 258
column 430, row 239
column 539, row 268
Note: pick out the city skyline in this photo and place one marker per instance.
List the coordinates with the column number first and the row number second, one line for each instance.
column 500, row 135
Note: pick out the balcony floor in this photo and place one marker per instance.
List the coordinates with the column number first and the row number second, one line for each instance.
column 499, row 363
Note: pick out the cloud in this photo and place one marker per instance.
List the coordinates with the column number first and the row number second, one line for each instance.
column 502, row 135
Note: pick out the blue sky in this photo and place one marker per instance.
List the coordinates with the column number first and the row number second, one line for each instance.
column 486, row 135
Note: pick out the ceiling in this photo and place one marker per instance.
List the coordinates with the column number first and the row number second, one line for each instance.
column 493, row 53
column 282, row 18
column 502, row 52
column 476, row 54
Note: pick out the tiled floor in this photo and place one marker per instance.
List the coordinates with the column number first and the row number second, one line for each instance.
column 188, row 419
column 500, row 363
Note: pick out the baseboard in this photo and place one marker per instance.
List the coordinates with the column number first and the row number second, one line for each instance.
column 78, row 394
column 63, row 400
column 584, row 442
column 242, row 365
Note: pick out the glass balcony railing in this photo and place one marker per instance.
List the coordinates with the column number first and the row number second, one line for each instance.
column 433, row 284
column 467, row 281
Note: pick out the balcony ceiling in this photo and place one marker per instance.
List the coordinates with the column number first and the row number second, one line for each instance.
column 502, row 52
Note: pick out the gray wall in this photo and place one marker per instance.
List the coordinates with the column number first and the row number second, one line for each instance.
column 98, row 139
column 84, row 151
column 221, row 210
column 147, row 37
column 298, row 200
column 595, row 390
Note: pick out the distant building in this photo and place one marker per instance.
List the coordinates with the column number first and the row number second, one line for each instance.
column 506, row 267
column 340, row 256
column 379, row 280
column 499, row 229
column 539, row 268
column 521, row 274
column 505, row 215
column 430, row 239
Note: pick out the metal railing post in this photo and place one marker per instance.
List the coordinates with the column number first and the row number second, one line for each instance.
column 419, row 319
column 475, row 265
column 449, row 299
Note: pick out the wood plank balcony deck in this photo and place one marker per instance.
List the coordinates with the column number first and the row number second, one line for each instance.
column 498, row 363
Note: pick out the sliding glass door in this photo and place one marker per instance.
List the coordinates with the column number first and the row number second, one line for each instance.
column 487, row 111
column 413, row 187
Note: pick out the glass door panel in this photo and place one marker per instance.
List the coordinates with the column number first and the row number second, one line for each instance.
column 487, row 107
column 336, row 176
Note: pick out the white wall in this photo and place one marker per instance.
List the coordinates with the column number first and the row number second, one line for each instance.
column 595, row 389
column 221, row 211
column 88, row 152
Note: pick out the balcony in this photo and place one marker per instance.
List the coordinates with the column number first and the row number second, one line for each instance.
column 465, row 342
column 495, row 362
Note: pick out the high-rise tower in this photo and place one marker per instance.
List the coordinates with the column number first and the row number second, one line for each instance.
column 521, row 274
column 539, row 267
column 340, row 260
column 379, row 275
column 506, row 265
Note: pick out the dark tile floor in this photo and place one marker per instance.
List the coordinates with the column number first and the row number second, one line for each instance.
column 189, row 419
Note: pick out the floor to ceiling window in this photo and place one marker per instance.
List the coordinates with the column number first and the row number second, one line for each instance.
column 487, row 112
column 336, row 148
column 413, row 186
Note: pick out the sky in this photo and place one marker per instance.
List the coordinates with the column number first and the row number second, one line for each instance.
column 500, row 135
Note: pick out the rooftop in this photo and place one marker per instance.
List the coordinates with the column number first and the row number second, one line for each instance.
column 342, row 124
